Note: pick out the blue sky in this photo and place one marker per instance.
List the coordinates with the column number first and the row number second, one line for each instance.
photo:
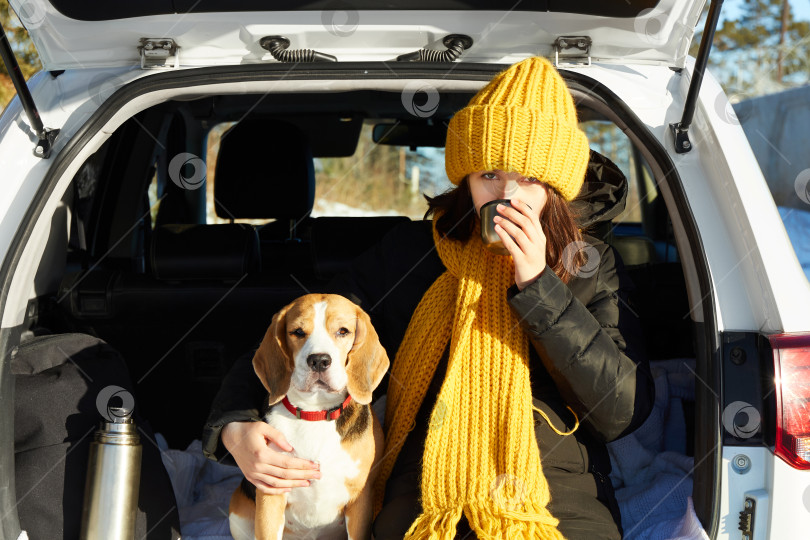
column 801, row 9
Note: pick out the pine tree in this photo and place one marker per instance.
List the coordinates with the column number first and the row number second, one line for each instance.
column 20, row 41
column 765, row 50
column 23, row 49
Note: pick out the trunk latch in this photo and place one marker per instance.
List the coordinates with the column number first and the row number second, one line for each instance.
column 747, row 519
column 572, row 51
column 157, row 52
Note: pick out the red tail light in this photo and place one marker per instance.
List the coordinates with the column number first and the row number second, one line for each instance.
column 791, row 356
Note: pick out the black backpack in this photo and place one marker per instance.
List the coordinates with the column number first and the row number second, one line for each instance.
column 57, row 381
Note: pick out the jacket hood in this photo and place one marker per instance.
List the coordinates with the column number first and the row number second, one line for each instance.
column 603, row 194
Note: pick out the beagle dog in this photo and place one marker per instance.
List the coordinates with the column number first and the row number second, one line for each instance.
column 319, row 360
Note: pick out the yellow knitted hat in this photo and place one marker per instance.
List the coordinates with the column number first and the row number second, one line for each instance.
column 524, row 120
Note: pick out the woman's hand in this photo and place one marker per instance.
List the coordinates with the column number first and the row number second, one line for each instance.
column 258, row 450
column 528, row 249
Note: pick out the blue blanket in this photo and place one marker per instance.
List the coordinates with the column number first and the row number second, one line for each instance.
column 651, row 474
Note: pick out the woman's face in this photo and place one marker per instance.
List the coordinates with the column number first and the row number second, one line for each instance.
column 486, row 186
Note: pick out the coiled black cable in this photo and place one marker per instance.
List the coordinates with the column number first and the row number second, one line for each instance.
column 455, row 43
column 278, row 48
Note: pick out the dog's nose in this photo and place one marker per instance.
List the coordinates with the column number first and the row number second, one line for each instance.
column 319, row 362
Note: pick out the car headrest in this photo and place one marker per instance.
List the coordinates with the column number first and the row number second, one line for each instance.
column 213, row 252
column 336, row 241
column 264, row 171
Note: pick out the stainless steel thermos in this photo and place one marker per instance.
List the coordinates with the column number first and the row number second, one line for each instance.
column 113, row 479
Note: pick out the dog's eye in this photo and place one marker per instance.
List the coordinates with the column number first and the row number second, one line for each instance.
column 298, row 333
column 343, row 332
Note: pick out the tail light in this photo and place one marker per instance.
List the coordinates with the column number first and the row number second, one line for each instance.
column 791, row 356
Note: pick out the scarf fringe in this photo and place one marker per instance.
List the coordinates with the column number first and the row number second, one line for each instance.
column 493, row 523
column 437, row 525
column 488, row 523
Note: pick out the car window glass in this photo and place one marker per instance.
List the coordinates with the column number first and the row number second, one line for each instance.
column 606, row 138
column 376, row 180
column 211, row 152
column 379, row 179
column 154, row 198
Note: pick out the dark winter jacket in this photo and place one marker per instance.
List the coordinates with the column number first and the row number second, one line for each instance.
column 586, row 354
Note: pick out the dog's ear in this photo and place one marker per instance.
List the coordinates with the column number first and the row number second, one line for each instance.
column 367, row 361
column 272, row 361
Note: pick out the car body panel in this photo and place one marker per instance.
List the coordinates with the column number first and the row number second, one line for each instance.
column 775, row 486
column 66, row 103
column 661, row 35
column 772, row 283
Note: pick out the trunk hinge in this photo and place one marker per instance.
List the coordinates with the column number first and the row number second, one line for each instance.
column 680, row 130
column 156, row 52
column 45, row 136
column 572, row 51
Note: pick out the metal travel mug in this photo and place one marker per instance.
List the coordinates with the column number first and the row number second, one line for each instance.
column 113, row 480
column 488, row 235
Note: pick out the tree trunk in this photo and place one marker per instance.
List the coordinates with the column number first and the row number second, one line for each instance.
column 782, row 31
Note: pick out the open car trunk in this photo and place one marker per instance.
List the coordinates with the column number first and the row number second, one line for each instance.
column 182, row 293
column 144, row 267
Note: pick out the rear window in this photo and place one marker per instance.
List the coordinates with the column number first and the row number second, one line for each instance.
column 380, row 179
column 606, row 138
column 377, row 180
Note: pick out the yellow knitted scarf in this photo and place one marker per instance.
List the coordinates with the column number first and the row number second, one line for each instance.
column 481, row 455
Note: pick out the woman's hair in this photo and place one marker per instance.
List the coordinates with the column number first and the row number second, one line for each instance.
column 457, row 221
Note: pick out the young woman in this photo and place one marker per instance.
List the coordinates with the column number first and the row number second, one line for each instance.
column 511, row 371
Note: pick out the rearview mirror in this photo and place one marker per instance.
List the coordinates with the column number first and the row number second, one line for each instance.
column 412, row 135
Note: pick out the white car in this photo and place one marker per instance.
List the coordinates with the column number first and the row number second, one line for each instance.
column 108, row 204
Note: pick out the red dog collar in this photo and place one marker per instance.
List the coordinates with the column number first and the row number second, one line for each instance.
column 328, row 414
